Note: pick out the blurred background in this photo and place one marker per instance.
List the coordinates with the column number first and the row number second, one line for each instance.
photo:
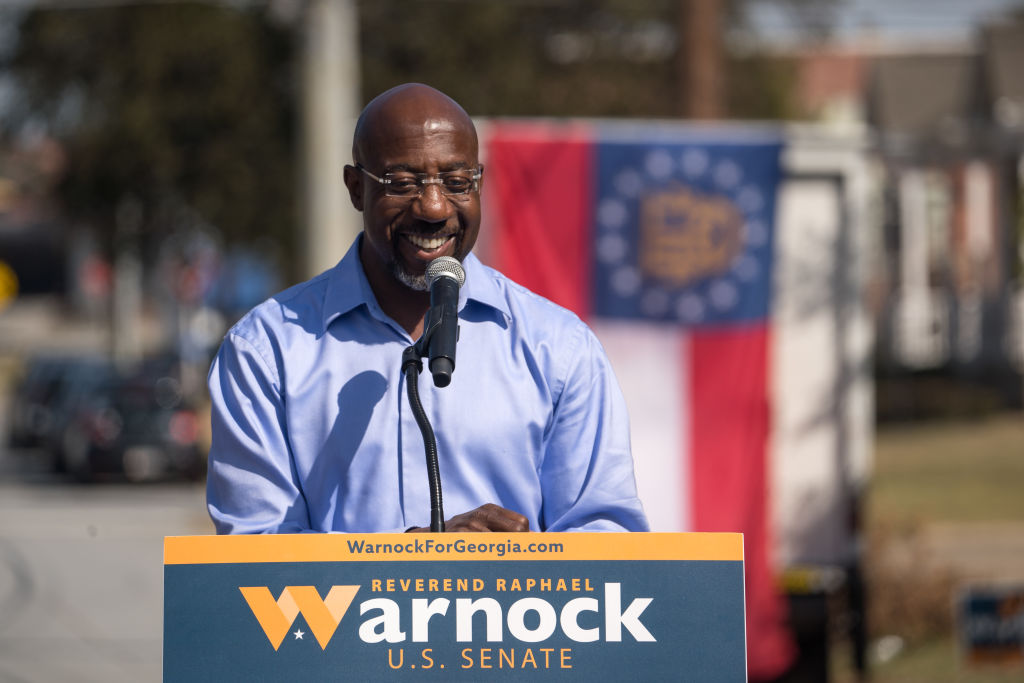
column 165, row 166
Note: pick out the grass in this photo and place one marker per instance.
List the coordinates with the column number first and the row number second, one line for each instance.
column 952, row 472
column 935, row 661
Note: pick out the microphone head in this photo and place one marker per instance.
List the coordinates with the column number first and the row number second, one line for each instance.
column 445, row 266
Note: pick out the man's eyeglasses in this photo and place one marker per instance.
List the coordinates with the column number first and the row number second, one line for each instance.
column 406, row 184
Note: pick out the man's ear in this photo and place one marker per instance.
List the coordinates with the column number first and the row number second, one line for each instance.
column 354, row 182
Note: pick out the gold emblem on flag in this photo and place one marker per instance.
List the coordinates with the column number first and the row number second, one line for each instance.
column 685, row 236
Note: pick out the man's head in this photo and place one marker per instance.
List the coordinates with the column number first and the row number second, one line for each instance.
column 408, row 130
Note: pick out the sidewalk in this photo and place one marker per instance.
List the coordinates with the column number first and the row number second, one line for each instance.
column 81, row 578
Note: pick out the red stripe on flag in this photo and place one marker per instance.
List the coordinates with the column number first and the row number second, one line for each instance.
column 542, row 180
column 729, row 437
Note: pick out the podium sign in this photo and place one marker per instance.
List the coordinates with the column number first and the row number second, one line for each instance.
column 447, row 607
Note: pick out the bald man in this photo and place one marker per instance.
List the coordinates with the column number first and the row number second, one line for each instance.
column 311, row 427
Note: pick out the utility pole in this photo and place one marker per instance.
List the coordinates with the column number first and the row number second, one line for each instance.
column 331, row 103
column 126, row 302
column 701, row 63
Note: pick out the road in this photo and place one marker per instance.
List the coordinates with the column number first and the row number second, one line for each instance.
column 81, row 575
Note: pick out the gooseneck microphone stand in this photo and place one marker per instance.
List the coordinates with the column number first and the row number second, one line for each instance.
column 440, row 332
column 412, row 365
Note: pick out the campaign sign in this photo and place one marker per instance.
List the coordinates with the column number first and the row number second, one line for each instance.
column 990, row 620
column 449, row 607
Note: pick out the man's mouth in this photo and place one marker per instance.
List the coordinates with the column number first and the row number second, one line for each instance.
column 414, row 250
column 428, row 243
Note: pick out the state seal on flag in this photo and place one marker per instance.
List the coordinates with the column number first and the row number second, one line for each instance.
column 685, row 236
column 683, row 230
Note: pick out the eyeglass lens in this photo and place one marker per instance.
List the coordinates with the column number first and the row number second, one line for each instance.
column 412, row 184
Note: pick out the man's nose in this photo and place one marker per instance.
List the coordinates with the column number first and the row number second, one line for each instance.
column 432, row 206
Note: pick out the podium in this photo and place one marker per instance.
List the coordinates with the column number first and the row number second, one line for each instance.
column 454, row 607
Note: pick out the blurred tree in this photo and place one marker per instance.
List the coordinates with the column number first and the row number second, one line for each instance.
column 601, row 58
column 161, row 108
column 192, row 104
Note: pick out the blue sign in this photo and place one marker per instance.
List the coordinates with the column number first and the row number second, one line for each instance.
column 990, row 620
column 441, row 608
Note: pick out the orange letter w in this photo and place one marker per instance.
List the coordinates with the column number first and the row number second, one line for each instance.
column 322, row 614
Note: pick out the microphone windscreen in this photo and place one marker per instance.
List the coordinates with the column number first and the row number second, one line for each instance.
column 445, row 266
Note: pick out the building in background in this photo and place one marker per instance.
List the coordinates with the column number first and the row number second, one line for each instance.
column 949, row 138
column 947, row 117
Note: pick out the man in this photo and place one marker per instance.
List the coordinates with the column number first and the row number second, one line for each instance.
column 311, row 427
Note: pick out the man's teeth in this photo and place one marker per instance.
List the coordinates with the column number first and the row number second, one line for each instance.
column 427, row 242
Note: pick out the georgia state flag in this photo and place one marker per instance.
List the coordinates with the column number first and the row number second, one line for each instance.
column 660, row 236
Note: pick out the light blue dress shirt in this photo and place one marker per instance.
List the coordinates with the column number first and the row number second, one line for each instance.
column 312, row 429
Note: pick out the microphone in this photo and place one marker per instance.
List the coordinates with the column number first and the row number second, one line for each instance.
column 444, row 277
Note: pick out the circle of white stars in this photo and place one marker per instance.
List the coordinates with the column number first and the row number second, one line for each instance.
column 723, row 292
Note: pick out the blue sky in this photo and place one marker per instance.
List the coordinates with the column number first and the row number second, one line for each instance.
column 887, row 19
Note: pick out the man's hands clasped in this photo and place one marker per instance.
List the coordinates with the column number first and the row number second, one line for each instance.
column 486, row 518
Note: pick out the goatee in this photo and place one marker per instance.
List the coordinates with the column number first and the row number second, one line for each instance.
column 414, row 282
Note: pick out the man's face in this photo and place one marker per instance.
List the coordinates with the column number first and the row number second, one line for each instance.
column 403, row 234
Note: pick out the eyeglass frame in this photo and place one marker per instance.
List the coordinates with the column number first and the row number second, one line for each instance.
column 427, row 179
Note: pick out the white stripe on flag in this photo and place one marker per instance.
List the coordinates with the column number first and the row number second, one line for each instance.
column 649, row 362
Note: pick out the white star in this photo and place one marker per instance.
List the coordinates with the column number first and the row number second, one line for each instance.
column 626, row 281
column 723, row 295
column 659, row 164
column 690, row 308
column 299, row 633
column 757, row 233
column 750, row 199
column 727, row 174
column 612, row 249
column 695, row 162
column 628, row 183
column 612, row 214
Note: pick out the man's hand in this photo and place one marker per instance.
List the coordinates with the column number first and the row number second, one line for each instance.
column 489, row 517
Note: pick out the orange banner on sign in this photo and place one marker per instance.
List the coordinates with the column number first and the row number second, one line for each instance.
column 448, row 547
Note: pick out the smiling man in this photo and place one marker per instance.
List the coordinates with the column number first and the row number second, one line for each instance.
column 311, row 427
column 406, row 134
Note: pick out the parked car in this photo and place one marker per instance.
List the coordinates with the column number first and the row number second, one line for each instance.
column 139, row 427
column 27, row 416
column 49, row 389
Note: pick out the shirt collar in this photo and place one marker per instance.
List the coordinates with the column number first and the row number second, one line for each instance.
column 482, row 287
column 348, row 288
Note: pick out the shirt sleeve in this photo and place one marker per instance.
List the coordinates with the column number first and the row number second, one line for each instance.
column 251, row 484
column 587, row 476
